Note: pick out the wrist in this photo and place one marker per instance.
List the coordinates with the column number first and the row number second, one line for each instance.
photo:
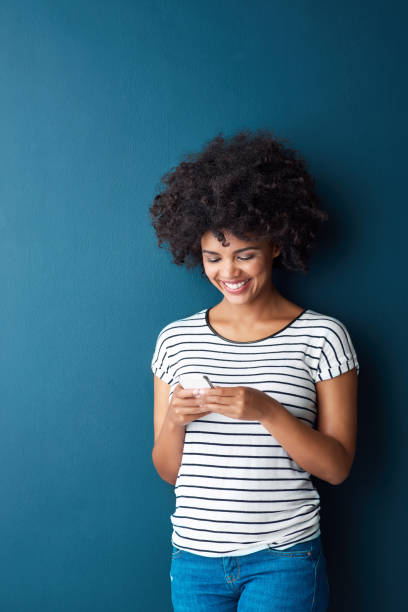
column 173, row 425
column 270, row 410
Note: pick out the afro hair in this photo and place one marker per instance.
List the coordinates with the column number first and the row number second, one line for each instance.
column 250, row 184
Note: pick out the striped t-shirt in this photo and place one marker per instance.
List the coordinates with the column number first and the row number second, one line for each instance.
column 237, row 489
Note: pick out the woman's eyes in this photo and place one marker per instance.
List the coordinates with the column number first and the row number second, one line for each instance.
column 243, row 259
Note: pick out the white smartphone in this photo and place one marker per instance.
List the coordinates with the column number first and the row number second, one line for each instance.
column 195, row 381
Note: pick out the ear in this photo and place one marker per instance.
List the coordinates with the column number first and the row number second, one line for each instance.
column 276, row 250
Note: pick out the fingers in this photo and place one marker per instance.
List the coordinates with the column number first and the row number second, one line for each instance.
column 192, row 392
column 207, row 392
column 190, row 409
column 181, row 392
column 184, row 402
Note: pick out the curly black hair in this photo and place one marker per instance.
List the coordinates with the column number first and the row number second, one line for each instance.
column 250, row 184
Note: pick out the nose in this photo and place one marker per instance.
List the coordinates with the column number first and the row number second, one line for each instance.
column 229, row 271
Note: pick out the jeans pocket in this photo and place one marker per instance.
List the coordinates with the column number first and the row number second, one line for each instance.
column 306, row 550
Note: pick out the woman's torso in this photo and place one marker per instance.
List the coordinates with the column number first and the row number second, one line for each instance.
column 237, row 488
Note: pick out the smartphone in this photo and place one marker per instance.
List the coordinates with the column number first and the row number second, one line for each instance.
column 195, row 381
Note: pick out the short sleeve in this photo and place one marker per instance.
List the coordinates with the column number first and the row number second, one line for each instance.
column 160, row 361
column 338, row 354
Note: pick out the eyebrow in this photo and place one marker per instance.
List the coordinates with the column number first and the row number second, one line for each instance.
column 237, row 251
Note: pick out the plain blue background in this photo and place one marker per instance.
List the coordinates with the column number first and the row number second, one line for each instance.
column 98, row 100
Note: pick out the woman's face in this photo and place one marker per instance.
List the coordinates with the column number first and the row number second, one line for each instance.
column 240, row 261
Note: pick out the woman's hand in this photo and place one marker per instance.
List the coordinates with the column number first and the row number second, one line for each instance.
column 239, row 402
column 184, row 407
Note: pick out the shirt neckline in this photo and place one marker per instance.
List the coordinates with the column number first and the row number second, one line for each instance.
column 207, row 320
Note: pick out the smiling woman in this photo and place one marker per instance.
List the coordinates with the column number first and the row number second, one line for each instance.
column 237, row 274
column 283, row 408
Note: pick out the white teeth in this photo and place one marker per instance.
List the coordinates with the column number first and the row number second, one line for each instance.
column 236, row 286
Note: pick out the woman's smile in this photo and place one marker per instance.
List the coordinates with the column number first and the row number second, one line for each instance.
column 236, row 287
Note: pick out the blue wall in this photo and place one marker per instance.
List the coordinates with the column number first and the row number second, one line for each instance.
column 98, row 100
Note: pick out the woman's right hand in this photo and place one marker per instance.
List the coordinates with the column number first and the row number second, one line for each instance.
column 184, row 407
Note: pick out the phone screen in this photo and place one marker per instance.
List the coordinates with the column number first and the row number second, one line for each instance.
column 193, row 381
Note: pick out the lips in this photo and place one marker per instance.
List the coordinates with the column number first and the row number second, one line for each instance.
column 239, row 290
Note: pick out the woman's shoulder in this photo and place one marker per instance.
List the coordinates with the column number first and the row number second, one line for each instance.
column 324, row 320
column 182, row 324
column 337, row 350
column 330, row 332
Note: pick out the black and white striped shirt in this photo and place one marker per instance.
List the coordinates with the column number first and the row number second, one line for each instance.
column 237, row 489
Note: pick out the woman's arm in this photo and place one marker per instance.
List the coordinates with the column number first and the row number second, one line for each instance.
column 168, row 437
column 327, row 452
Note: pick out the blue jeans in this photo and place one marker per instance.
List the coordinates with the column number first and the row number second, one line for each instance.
column 291, row 580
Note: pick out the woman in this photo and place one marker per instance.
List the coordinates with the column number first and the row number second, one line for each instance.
column 283, row 406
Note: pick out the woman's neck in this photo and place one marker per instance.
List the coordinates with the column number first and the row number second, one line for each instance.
column 274, row 306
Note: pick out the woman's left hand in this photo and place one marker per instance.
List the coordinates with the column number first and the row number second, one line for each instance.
column 239, row 402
